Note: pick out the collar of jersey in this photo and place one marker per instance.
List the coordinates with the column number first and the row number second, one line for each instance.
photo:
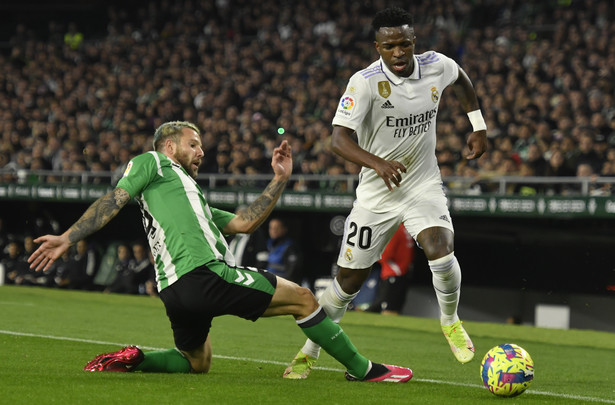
column 396, row 80
column 175, row 164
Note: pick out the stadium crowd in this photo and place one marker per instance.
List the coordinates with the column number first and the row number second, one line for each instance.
column 544, row 72
column 250, row 74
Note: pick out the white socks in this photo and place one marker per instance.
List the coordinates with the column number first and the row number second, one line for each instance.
column 334, row 301
column 446, row 276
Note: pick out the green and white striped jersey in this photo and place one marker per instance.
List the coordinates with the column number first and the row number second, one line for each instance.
column 183, row 232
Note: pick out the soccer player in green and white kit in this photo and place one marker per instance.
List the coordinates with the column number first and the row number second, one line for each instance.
column 196, row 273
column 391, row 106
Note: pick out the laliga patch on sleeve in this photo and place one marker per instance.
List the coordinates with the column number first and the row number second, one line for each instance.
column 127, row 169
column 347, row 104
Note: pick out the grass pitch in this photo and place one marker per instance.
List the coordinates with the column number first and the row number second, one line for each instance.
column 47, row 336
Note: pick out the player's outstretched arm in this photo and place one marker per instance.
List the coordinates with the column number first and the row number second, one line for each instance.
column 389, row 170
column 477, row 140
column 255, row 214
column 94, row 218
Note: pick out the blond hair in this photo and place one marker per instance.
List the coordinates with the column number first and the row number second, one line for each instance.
column 172, row 129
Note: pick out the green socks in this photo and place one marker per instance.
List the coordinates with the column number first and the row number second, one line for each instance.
column 164, row 361
column 330, row 336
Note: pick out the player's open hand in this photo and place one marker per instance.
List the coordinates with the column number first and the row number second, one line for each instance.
column 282, row 160
column 390, row 171
column 51, row 248
column 477, row 144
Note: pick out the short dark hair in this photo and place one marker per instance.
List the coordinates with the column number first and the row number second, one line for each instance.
column 392, row 17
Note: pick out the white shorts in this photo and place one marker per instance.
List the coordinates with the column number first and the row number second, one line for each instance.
column 367, row 233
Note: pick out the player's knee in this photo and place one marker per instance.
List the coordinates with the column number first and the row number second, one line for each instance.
column 438, row 250
column 200, row 365
column 436, row 242
column 308, row 301
column 200, row 358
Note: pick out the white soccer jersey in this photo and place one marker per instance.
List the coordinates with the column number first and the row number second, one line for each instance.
column 395, row 119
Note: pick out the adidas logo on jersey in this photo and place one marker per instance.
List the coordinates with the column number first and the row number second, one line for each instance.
column 387, row 104
column 445, row 218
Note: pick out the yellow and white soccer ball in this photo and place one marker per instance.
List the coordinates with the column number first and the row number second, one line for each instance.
column 507, row 370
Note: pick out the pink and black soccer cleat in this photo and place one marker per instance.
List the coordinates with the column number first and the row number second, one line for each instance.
column 123, row 361
column 394, row 374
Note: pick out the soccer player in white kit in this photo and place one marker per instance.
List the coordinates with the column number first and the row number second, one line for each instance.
column 391, row 106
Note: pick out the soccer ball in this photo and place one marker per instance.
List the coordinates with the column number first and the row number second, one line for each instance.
column 507, row 370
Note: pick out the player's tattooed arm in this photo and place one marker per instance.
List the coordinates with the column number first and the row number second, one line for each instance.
column 95, row 217
column 256, row 213
column 99, row 214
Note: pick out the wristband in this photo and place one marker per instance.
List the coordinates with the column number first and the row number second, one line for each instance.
column 477, row 121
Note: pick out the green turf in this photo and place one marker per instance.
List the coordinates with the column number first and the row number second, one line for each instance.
column 47, row 336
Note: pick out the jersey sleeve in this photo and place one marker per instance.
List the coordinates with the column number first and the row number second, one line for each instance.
column 451, row 69
column 221, row 217
column 138, row 174
column 354, row 104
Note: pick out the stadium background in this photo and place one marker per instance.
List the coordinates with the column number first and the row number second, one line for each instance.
column 511, row 261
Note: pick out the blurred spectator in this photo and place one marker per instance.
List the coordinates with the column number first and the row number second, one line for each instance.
column 142, row 268
column 73, row 38
column 524, row 141
column 587, row 154
column 337, row 186
column 16, row 269
column 586, row 171
column 556, row 167
column 526, row 189
column 536, row 160
column 608, row 169
column 125, row 281
column 601, row 146
column 568, row 146
column 79, row 268
column 284, row 256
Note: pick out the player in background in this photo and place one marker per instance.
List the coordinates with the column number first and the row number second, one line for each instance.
column 391, row 106
column 196, row 273
column 395, row 266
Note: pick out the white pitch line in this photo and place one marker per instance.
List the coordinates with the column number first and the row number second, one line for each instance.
column 534, row 392
column 427, row 380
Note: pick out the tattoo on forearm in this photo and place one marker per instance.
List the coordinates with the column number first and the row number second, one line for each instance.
column 264, row 203
column 99, row 214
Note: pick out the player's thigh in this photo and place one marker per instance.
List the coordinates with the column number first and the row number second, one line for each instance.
column 366, row 234
column 291, row 299
column 429, row 212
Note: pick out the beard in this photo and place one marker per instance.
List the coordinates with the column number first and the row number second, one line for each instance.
column 187, row 163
